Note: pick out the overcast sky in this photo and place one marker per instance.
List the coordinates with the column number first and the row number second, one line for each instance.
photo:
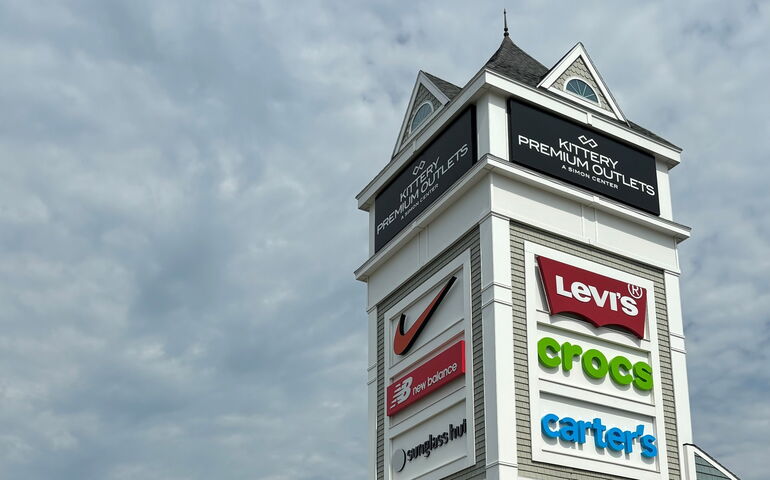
column 178, row 228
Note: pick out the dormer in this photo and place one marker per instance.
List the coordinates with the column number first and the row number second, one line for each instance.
column 429, row 96
column 576, row 78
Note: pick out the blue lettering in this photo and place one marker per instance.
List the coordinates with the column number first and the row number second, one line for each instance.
column 582, row 427
column 599, row 433
column 616, row 439
column 547, row 419
column 649, row 449
column 568, row 430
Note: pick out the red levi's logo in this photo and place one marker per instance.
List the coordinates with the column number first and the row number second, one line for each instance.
column 432, row 375
column 601, row 300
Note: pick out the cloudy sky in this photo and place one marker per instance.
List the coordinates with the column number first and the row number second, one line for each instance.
column 178, row 230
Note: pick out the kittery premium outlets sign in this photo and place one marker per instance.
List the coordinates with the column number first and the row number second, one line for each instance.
column 582, row 157
column 425, row 178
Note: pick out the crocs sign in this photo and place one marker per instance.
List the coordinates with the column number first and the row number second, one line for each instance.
column 603, row 301
column 594, row 363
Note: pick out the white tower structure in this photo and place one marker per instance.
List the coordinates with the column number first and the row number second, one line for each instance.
column 523, row 285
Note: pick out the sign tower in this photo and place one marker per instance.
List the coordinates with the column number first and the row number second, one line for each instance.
column 523, row 285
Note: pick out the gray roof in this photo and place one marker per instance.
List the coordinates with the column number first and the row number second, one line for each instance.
column 516, row 64
column 705, row 471
column 649, row 134
column 513, row 62
column 449, row 89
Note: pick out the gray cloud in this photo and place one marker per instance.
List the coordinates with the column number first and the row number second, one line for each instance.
column 178, row 231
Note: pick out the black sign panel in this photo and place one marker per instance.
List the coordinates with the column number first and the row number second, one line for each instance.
column 582, row 157
column 425, row 178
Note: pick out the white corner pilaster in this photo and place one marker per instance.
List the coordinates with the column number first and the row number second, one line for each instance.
column 492, row 125
column 679, row 366
column 497, row 320
column 664, row 191
column 688, row 461
column 371, row 230
column 371, row 387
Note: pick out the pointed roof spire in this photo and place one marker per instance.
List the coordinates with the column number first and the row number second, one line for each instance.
column 515, row 63
column 505, row 23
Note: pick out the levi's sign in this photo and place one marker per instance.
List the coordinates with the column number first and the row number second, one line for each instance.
column 425, row 379
column 425, row 178
column 582, row 157
column 601, row 300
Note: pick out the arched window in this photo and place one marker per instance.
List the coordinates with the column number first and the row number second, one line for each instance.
column 581, row 89
column 420, row 115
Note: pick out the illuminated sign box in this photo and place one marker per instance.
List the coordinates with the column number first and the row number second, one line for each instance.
column 425, row 178
column 582, row 157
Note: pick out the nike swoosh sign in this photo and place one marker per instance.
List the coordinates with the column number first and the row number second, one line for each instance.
column 402, row 342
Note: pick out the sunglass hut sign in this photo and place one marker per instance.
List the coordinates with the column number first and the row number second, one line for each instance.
column 582, row 157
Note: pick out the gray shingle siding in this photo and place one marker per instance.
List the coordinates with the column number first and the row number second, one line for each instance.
column 538, row 470
column 467, row 241
column 704, row 470
column 449, row 89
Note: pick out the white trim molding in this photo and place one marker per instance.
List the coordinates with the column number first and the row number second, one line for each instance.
column 521, row 174
column 496, row 314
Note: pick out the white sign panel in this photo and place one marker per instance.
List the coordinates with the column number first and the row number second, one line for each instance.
column 429, row 423
column 431, row 446
column 562, row 365
column 595, row 394
column 572, row 431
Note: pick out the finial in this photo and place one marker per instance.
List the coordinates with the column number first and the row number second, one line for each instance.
column 505, row 22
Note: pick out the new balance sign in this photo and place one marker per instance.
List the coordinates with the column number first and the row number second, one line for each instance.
column 601, row 300
column 427, row 378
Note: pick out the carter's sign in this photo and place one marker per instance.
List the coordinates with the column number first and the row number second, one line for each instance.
column 570, row 430
column 603, row 301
